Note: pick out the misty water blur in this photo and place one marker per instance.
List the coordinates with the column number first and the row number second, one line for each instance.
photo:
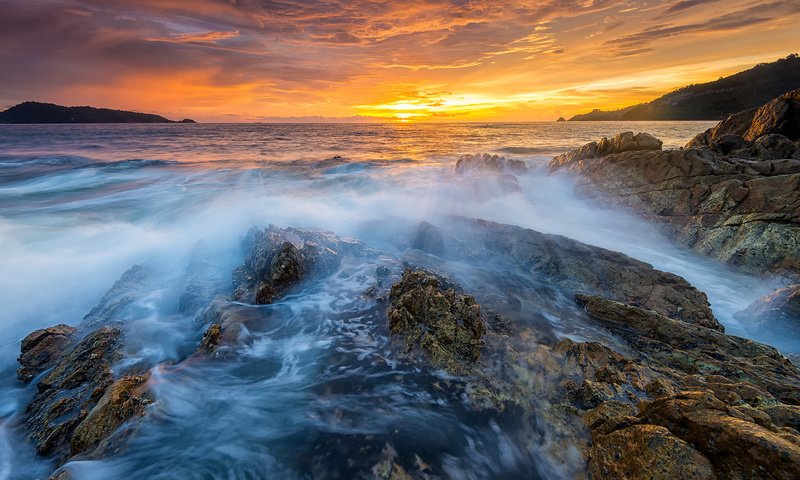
column 80, row 204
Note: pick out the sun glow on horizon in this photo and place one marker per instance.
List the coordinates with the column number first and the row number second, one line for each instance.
column 350, row 60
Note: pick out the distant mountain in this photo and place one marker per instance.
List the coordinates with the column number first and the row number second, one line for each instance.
column 35, row 112
column 713, row 100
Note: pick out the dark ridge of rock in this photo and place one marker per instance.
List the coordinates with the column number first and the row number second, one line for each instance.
column 622, row 142
column 428, row 238
column 42, row 349
column 279, row 259
column 447, row 326
column 777, row 313
column 561, row 119
column 71, row 389
column 134, row 284
column 740, row 211
column 683, row 349
column 578, row 267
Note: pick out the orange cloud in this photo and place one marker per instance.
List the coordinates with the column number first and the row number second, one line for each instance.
column 431, row 60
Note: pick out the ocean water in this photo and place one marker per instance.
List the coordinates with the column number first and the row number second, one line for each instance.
column 80, row 204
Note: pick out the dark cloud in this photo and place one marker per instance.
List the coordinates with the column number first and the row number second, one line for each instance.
column 686, row 4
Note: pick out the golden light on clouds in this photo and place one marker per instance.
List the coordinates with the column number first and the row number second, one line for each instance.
column 358, row 60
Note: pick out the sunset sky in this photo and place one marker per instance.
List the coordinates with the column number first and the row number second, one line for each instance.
column 352, row 60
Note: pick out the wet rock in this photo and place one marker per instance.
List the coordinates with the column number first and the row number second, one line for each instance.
column 135, row 283
column 776, row 314
column 99, row 433
column 682, row 349
column 646, row 452
column 280, row 259
column 562, row 262
column 70, row 390
column 740, row 211
column 201, row 284
column 428, row 238
column 42, row 349
column 489, row 163
column 447, row 326
column 623, row 142
column 736, row 446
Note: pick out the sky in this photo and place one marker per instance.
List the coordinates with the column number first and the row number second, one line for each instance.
column 372, row 60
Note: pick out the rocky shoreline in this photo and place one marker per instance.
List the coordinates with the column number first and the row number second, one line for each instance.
column 639, row 380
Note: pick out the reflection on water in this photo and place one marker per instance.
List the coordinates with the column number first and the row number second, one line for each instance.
column 80, row 204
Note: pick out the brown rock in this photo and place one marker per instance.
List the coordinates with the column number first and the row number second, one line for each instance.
column 41, row 350
column 737, row 447
column 646, row 452
column 685, row 349
column 781, row 115
column 445, row 325
column 124, row 400
column 70, row 391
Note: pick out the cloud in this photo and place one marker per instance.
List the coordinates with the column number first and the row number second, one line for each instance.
column 196, row 37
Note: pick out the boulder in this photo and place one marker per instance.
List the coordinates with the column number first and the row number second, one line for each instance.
column 776, row 314
column 780, row 115
column 428, row 238
column 124, row 400
column 623, row 142
column 743, row 212
column 646, row 452
column 42, row 349
column 70, row 390
column 736, row 124
column 279, row 259
column 489, row 163
column 430, row 315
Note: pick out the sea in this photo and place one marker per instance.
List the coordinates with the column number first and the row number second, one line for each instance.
column 81, row 204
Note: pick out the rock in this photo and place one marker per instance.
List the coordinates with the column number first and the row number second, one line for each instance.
column 428, row 238
column 737, row 124
column 773, row 147
column 279, row 259
column 124, row 400
column 740, row 211
column 70, row 390
column 736, row 446
column 577, row 267
column 134, row 284
column 445, row 325
column 489, row 163
column 623, row 142
column 561, row 119
column 681, row 349
column 777, row 314
column 646, row 452
column 42, row 349
column 781, row 115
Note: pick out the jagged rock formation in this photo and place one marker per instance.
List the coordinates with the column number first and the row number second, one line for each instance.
column 734, row 199
column 446, row 325
column 487, row 175
column 42, row 349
